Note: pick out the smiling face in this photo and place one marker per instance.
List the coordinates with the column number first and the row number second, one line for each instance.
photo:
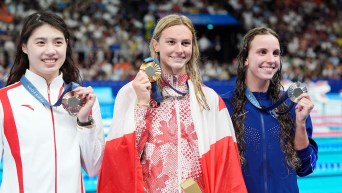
column 263, row 61
column 175, row 49
column 46, row 51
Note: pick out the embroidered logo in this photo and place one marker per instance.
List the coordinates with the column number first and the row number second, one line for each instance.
column 28, row 106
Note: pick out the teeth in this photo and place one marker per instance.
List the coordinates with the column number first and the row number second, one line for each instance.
column 49, row 61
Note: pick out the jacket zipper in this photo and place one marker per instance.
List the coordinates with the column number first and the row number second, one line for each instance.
column 54, row 137
column 264, row 153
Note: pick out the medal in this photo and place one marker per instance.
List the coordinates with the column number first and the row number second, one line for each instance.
column 72, row 103
column 295, row 90
column 292, row 93
column 152, row 70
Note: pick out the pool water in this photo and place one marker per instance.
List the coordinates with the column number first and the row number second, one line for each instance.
column 327, row 120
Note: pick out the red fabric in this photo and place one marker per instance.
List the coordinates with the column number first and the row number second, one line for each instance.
column 121, row 168
column 221, row 168
column 10, row 130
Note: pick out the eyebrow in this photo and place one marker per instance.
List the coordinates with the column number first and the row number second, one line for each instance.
column 44, row 38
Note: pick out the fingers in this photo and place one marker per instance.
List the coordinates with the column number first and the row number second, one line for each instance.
column 142, row 87
column 142, row 82
column 304, row 101
column 86, row 93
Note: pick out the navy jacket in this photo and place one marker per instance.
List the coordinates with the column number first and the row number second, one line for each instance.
column 266, row 170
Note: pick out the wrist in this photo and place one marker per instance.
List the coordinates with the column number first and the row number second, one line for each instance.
column 88, row 123
column 143, row 104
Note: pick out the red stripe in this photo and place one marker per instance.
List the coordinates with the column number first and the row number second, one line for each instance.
column 222, row 105
column 54, row 138
column 328, row 134
column 325, row 116
column 11, row 134
column 60, row 91
column 82, row 183
column 327, row 124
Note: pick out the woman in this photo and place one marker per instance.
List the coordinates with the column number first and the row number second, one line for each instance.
column 43, row 146
column 274, row 146
column 187, row 135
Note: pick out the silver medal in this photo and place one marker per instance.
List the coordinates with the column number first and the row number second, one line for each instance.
column 295, row 90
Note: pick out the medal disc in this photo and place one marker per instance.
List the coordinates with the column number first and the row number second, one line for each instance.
column 72, row 103
column 152, row 70
column 295, row 90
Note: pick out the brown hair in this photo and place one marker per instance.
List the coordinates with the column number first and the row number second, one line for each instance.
column 275, row 87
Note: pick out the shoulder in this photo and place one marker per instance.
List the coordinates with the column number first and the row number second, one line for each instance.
column 4, row 90
column 126, row 92
column 228, row 95
column 126, row 88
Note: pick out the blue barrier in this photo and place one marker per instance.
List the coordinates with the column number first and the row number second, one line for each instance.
column 220, row 86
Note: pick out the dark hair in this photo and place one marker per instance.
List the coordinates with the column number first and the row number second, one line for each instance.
column 21, row 62
column 275, row 87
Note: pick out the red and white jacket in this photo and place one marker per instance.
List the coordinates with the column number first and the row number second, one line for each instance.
column 121, row 169
column 42, row 148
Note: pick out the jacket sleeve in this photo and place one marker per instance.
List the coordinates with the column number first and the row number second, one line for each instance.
column 308, row 155
column 92, row 143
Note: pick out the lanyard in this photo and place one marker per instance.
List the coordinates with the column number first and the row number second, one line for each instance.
column 34, row 92
column 271, row 108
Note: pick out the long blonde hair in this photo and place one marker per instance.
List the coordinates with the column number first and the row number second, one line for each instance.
column 192, row 67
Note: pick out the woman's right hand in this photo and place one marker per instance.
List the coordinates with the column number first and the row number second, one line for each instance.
column 142, row 88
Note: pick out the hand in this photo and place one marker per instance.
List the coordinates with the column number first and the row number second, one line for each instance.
column 142, row 88
column 303, row 108
column 87, row 94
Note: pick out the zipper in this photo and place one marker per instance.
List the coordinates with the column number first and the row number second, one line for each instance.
column 54, row 137
column 264, row 152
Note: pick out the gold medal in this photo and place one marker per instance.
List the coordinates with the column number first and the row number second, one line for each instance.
column 72, row 103
column 152, row 70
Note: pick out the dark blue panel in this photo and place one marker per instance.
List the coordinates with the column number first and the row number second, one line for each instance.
column 205, row 19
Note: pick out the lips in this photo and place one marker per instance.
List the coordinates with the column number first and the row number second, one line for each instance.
column 49, row 61
column 178, row 59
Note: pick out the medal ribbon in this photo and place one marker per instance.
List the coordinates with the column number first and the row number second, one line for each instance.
column 155, row 90
column 271, row 108
column 34, row 91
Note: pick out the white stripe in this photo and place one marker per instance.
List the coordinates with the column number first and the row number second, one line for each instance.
column 212, row 125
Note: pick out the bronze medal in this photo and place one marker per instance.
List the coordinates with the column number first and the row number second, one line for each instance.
column 72, row 103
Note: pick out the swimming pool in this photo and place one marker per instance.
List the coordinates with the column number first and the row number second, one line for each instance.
column 327, row 120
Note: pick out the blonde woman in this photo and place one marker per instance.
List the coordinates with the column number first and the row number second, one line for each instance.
column 154, row 148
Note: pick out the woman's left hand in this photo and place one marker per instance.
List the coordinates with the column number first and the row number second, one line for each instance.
column 87, row 94
column 303, row 107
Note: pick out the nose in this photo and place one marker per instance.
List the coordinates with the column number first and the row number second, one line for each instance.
column 179, row 48
column 50, row 49
column 270, row 58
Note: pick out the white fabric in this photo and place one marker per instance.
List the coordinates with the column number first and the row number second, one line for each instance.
column 52, row 148
column 123, row 121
